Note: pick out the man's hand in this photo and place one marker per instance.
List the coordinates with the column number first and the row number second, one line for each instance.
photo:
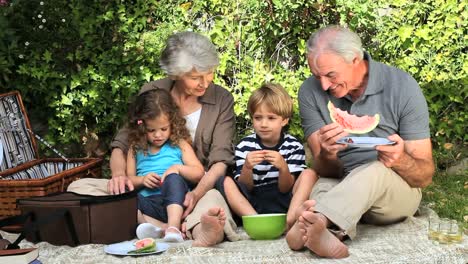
column 152, row 180
column 253, row 158
column 191, row 199
column 327, row 137
column 116, row 185
column 391, row 155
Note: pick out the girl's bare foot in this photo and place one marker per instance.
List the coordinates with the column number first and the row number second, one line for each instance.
column 294, row 235
column 320, row 240
column 210, row 231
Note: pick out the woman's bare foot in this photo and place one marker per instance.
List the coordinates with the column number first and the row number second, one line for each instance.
column 210, row 231
column 294, row 235
column 320, row 240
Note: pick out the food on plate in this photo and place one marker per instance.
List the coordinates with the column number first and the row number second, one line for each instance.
column 145, row 245
column 351, row 123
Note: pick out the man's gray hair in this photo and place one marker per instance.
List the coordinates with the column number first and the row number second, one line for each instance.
column 187, row 51
column 338, row 40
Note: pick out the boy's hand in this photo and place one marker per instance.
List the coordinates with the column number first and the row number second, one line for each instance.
column 254, row 158
column 151, row 180
column 275, row 159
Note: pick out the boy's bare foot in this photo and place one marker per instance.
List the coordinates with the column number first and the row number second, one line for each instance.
column 320, row 240
column 211, row 229
column 295, row 235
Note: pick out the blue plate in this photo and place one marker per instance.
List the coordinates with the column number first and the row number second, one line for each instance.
column 123, row 248
column 364, row 142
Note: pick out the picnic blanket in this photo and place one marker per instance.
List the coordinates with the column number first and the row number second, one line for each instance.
column 404, row 242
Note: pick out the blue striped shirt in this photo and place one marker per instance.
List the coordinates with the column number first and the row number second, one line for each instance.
column 264, row 173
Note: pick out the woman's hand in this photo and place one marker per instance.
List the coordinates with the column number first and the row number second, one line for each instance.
column 191, row 199
column 152, row 180
column 117, row 184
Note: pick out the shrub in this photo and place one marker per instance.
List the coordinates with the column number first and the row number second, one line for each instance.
column 77, row 63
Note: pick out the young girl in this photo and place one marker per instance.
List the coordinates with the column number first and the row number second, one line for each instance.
column 161, row 162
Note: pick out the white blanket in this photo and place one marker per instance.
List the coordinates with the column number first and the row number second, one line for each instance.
column 405, row 242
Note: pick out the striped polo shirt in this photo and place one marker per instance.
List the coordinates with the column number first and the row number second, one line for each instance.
column 264, row 173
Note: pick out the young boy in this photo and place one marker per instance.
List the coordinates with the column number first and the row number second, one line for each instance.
column 271, row 175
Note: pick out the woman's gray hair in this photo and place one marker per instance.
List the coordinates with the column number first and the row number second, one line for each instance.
column 337, row 39
column 186, row 51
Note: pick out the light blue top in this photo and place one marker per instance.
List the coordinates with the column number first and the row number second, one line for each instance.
column 158, row 163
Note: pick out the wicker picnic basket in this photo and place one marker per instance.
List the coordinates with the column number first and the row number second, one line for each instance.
column 22, row 173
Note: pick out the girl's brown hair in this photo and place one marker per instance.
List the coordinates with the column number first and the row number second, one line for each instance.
column 150, row 105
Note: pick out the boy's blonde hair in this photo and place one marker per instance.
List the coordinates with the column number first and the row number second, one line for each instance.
column 273, row 96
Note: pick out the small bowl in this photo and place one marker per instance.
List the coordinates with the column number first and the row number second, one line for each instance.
column 264, row 226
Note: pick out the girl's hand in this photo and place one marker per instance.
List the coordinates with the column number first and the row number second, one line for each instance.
column 151, row 180
column 275, row 159
column 254, row 158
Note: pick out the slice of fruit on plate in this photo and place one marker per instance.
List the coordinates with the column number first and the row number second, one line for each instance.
column 145, row 245
column 353, row 124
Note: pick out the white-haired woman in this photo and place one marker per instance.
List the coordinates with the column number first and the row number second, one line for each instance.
column 189, row 60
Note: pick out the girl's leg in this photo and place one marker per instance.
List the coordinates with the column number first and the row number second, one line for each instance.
column 174, row 216
column 173, row 191
column 142, row 218
column 236, row 200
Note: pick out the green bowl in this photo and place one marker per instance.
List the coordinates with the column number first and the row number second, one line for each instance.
column 264, row 226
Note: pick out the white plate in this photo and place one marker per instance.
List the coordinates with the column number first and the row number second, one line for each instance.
column 364, row 142
column 123, row 248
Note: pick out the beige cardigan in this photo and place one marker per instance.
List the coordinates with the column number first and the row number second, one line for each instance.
column 215, row 130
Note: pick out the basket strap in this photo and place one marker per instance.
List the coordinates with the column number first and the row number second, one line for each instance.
column 14, row 220
column 33, row 226
column 53, row 217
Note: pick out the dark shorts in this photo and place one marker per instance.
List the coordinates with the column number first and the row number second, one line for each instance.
column 264, row 199
column 172, row 192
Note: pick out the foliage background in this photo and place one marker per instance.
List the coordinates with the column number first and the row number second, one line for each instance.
column 77, row 63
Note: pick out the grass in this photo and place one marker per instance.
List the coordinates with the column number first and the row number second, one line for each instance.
column 448, row 196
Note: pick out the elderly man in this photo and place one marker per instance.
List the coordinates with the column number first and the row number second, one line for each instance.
column 378, row 185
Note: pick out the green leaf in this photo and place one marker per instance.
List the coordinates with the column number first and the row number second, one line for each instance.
column 66, row 101
column 47, row 56
column 405, row 32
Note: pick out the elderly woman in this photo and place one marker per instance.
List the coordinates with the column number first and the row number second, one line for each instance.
column 189, row 61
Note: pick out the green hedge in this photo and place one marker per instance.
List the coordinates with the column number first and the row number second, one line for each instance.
column 78, row 62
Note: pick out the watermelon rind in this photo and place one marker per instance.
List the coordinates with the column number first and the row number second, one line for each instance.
column 150, row 246
column 367, row 129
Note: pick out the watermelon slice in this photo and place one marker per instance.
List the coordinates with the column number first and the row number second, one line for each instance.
column 351, row 123
column 145, row 245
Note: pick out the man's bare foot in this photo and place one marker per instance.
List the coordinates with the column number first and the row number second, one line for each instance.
column 320, row 240
column 210, row 231
column 294, row 235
